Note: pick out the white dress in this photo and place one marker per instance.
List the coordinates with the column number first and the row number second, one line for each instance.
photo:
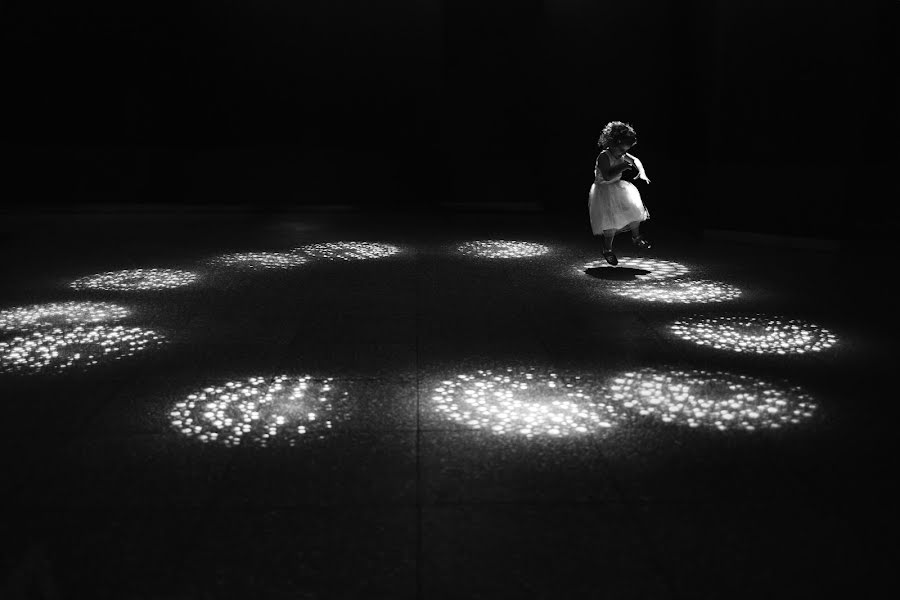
column 614, row 203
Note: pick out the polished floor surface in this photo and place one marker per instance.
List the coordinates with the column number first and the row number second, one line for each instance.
column 471, row 407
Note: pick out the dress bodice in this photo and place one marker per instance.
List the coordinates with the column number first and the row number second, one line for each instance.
column 613, row 162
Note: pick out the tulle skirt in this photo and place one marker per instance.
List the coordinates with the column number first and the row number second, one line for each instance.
column 614, row 205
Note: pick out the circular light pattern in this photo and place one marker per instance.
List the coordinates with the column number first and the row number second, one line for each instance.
column 62, row 349
column 348, row 250
column 60, row 314
column 756, row 334
column 679, row 291
column 503, row 249
column 136, row 279
column 525, row 402
column 658, row 269
column 259, row 260
column 713, row 399
column 259, row 411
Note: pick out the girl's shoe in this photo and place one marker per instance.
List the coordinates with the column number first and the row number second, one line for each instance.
column 610, row 257
column 641, row 243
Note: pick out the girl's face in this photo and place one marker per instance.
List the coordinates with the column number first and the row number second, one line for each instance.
column 620, row 150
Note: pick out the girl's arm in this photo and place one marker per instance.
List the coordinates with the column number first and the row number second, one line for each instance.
column 609, row 172
column 637, row 165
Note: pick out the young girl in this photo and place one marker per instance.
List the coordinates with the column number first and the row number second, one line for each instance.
column 615, row 205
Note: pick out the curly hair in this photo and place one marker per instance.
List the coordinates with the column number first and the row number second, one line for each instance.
column 615, row 133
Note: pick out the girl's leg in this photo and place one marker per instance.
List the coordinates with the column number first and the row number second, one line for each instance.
column 608, row 254
column 635, row 228
column 608, row 236
column 639, row 241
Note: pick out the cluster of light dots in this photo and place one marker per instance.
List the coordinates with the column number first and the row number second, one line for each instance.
column 658, row 269
column 711, row 399
column 259, row 411
column 136, row 279
column 679, row 291
column 523, row 402
column 58, row 350
column 755, row 334
column 60, row 314
column 259, row 260
column 503, row 249
column 348, row 250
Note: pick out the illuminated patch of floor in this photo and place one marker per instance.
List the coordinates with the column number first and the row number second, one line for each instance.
column 678, row 291
column 259, row 260
column 656, row 269
column 525, row 402
column 503, row 249
column 60, row 314
column 60, row 349
column 756, row 334
column 136, row 280
column 347, row 250
column 260, row 411
column 720, row 400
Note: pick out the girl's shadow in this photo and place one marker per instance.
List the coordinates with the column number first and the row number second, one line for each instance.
column 616, row 273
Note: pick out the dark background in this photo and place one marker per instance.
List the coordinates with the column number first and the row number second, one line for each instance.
column 760, row 115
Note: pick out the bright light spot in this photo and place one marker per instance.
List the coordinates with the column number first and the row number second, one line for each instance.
column 756, row 334
column 347, row 250
column 678, row 291
column 711, row 399
column 136, row 279
column 503, row 249
column 259, row 411
column 658, row 269
column 61, row 349
column 60, row 314
column 525, row 402
column 259, row 260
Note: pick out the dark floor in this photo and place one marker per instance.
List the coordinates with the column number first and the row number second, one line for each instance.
column 106, row 499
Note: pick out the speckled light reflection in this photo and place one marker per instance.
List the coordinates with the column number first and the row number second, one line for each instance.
column 720, row 400
column 259, row 411
column 658, row 269
column 756, row 334
column 503, row 249
column 136, row 280
column 60, row 314
column 61, row 349
column 525, row 402
column 259, row 260
column 347, row 250
column 678, row 291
